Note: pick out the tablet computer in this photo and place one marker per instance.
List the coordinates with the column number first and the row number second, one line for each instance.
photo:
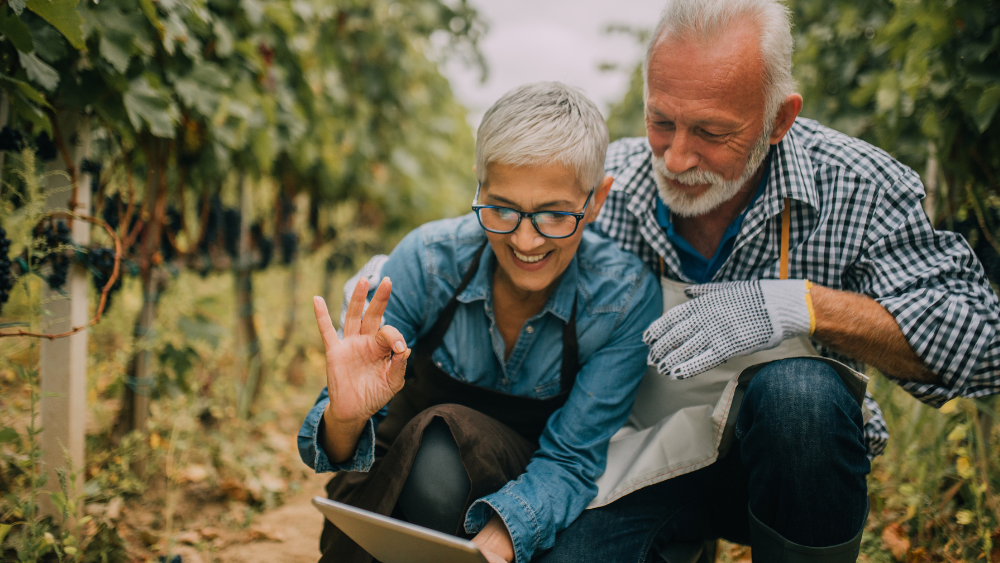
column 393, row 541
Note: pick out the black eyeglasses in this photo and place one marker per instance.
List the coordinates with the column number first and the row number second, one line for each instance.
column 549, row 224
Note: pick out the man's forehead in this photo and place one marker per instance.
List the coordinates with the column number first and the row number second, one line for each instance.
column 725, row 69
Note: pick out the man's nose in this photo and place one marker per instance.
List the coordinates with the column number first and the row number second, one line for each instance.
column 525, row 237
column 679, row 155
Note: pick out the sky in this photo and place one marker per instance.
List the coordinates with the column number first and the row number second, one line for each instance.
column 535, row 40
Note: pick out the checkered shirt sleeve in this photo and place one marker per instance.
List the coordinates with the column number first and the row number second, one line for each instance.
column 857, row 225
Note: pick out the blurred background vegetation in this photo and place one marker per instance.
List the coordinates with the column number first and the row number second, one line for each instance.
column 276, row 144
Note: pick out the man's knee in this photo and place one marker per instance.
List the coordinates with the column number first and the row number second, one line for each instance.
column 796, row 402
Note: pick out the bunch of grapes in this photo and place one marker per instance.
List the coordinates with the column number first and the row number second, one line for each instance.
column 92, row 167
column 289, row 246
column 11, row 139
column 45, row 149
column 263, row 244
column 110, row 211
column 57, row 237
column 211, row 224
column 231, row 223
column 102, row 264
column 6, row 277
column 172, row 224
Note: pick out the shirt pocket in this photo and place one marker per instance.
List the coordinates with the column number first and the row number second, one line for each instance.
column 548, row 390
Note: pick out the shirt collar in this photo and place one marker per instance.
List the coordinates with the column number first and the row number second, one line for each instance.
column 560, row 303
column 790, row 176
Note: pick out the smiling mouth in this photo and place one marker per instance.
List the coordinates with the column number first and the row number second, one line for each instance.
column 530, row 259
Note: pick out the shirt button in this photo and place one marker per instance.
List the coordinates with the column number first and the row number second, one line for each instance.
column 438, row 364
column 529, row 329
column 504, row 381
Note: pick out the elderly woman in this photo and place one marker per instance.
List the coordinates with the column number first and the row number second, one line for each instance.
column 517, row 333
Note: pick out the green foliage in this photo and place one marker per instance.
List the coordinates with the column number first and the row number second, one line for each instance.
column 25, row 534
column 917, row 78
column 341, row 98
column 626, row 118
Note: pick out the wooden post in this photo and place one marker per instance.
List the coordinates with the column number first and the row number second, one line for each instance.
column 63, row 366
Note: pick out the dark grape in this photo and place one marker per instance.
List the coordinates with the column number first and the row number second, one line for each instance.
column 211, row 224
column 264, row 245
column 55, row 240
column 11, row 139
column 231, row 223
column 172, row 225
column 45, row 149
column 111, row 209
column 289, row 245
column 92, row 167
column 102, row 264
column 6, row 277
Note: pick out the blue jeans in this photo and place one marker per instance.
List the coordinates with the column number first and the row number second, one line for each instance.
column 799, row 463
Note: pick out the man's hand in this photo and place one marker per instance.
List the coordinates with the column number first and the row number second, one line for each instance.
column 494, row 541
column 724, row 320
column 363, row 371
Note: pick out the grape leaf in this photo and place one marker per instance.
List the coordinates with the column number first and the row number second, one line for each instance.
column 14, row 29
column 116, row 48
column 41, row 73
column 63, row 15
column 152, row 106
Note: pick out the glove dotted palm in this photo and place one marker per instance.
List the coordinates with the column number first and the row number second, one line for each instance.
column 725, row 320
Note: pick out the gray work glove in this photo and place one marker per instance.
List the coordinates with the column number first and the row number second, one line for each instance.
column 372, row 271
column 724, row 320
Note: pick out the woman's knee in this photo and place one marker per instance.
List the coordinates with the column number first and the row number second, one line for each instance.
column 438, row 487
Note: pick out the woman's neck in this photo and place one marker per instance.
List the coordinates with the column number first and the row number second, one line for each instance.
column 513, row 306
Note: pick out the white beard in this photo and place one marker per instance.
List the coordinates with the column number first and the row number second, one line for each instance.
column 720, row 190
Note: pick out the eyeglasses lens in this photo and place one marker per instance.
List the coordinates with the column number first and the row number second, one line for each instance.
column 555, row 225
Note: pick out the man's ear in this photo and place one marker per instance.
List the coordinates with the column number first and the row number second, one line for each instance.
column 787, row 113
column 600, row 196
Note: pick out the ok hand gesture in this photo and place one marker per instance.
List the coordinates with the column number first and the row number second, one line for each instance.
column 363, row 371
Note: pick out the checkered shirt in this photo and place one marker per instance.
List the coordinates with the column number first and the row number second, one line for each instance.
column 857, row 225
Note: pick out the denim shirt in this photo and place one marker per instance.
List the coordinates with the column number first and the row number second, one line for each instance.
column 618, row 297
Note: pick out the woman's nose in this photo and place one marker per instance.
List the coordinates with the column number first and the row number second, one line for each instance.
column 525, row 237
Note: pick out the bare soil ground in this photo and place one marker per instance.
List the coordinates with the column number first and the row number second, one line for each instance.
column 289, row 533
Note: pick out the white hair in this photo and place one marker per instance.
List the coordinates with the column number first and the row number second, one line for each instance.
column 544, row 123
column 705, row 19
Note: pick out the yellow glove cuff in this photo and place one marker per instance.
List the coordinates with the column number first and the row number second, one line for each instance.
column 809, row 305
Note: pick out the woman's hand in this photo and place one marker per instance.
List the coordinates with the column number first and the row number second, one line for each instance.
column 363, row 371
column 494, row 541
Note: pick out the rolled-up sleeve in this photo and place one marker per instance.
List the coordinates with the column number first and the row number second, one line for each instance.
column 314, row 455
column 559, row 482
column 936, row 289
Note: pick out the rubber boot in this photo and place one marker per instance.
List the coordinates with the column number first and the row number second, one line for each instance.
column 769, row 547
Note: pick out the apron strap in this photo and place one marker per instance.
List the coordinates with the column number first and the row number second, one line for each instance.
column 571, row 353
column 786, row 225
column 432, row 340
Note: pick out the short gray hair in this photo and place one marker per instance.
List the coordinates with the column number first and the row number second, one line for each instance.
column 544, row 123
column 703, row 19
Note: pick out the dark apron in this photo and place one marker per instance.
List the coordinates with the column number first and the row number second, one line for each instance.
column 497, row 433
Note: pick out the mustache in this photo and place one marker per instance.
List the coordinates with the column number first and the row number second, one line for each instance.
column 693, row 177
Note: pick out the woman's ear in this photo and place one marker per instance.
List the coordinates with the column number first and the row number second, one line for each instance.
column 600, row 196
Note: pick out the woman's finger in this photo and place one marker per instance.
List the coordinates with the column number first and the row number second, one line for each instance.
column 352, row 321
column 373, row 316
column 388, row 338
column 326, row 329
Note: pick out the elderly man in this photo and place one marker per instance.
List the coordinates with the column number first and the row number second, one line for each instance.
column 813, row 258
